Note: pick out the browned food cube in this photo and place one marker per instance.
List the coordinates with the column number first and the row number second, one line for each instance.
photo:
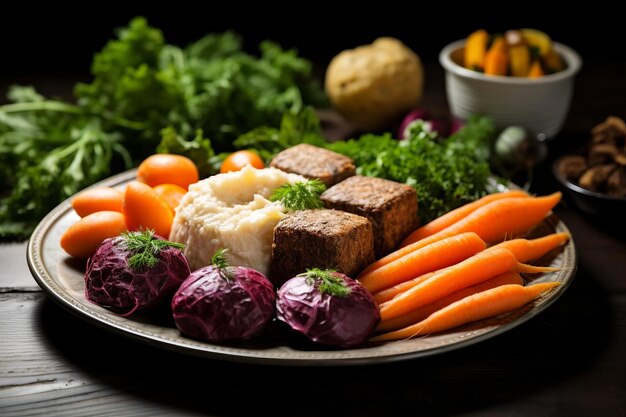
column 321, row 239
column 389, row 205
column 315, row 162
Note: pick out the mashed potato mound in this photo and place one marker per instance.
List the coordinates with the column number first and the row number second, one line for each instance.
column 231, row 211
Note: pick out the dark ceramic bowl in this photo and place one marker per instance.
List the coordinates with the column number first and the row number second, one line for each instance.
column 590, row 202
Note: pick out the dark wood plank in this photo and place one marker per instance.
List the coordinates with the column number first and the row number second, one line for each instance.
column 14, row 273
column 36, row 380
column 55, row 363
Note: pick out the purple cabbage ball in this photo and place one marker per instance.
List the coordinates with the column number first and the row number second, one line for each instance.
column 337, row 320
column 222, row 304
column 111, row 283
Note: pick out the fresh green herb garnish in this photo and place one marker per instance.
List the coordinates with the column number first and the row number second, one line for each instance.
column 146, row 248
column 300, row 195
column 327, row 282
column 219, row 261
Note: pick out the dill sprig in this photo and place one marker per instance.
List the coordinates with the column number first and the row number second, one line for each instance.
column 300, row 195
column 145, row 248
column 327, row 282
column 219, row 261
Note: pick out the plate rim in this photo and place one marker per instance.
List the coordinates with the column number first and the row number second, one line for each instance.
column 61, row 296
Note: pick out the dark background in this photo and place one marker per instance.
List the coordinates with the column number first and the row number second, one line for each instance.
column 568, row 361
column 59, row 38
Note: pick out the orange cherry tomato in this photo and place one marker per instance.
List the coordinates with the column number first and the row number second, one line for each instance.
column 82, row 238
column 98, row 199
column 237, row 160
column 165, row 168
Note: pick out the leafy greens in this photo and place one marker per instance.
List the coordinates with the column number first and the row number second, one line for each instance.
column 144, row 93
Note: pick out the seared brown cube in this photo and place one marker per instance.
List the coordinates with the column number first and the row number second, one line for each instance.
column 389, row 205
column 321, row 239
column 315, row 162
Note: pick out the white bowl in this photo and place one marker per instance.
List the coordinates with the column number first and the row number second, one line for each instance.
column 538, row 104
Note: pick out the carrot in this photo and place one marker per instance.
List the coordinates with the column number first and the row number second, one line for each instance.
column 480, row 267
column 143, row 208
column 388, row 293
column 527, row 250
column 492, row 222
column 457, row 214
column 82, row 238
column 98, row 199
column 440, row 254
column 475, row 307
column 421, row 313
column 499, row 219
column 496, row 58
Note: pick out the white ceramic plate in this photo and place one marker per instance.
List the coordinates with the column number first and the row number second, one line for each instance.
column 61, row 278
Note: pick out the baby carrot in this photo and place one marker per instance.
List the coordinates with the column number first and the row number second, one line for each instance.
column 499, row 219
column 421, row 313
column 440, row 254
column 143, row 208
column 475, row 307
column 98, row 199
column 388, row 293
column 527, row 250
column 82, row 238
column 480, row 267
column 457, row 214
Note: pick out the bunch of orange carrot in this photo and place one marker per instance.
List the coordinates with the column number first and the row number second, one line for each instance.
column 463, row 266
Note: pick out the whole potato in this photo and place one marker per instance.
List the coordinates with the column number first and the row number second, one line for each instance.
column 372, row 85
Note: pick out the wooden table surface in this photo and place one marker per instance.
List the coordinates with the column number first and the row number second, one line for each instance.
column 568, row 361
